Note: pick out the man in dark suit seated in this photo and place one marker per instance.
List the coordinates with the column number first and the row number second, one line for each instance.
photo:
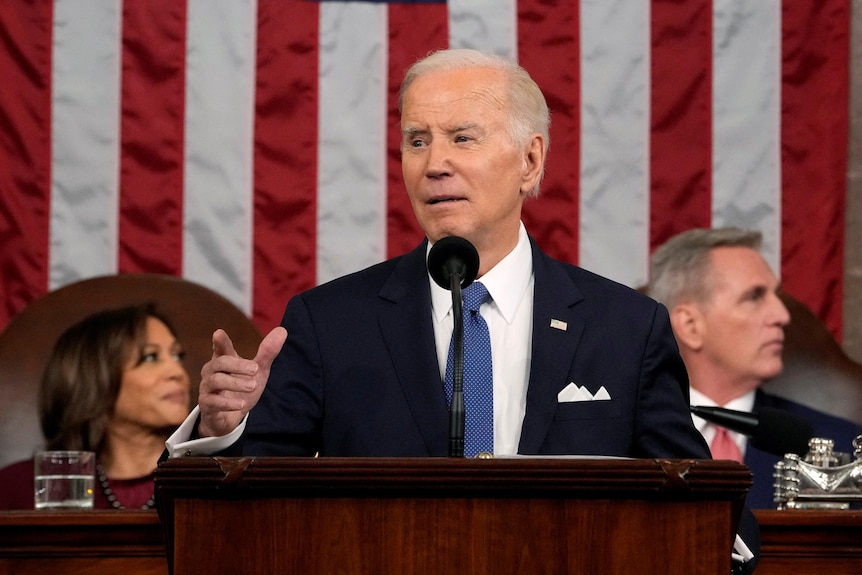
column 581, row 365
column 729, row 322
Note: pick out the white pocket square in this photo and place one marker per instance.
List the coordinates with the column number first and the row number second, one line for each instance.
column 573, row 392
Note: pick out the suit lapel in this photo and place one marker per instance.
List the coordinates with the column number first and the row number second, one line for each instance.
column 557, row 330
column 408, row 333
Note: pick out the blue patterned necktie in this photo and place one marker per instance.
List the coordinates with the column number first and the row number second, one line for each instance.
column 478, row 375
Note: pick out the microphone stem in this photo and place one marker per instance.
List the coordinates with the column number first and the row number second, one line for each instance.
column 456, row 406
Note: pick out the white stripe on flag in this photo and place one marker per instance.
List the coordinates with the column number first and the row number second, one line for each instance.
column 615, row 93
column 85, row 110
column 489, row 25
column 219, row 120
column 351, row 218
column 746, row 188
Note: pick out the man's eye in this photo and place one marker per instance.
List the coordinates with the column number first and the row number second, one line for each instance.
column 416, row 143
column 757, row 295
column 461, row 139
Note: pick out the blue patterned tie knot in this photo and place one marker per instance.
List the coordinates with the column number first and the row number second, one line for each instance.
column 474, row 295
column 478, row 374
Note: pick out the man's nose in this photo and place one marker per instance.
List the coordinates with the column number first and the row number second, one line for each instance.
column 780, row 312
column 438, row 160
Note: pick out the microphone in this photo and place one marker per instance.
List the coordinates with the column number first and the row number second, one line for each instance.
column 772, row 430
column 453, row 263
column 453, row 256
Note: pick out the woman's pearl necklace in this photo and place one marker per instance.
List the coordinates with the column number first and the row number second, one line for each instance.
column 109, row 493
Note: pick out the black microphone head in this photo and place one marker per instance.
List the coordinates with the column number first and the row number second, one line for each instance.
column 453, row 255
column 780, row 432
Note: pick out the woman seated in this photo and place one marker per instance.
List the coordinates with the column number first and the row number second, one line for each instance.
column 114, row 384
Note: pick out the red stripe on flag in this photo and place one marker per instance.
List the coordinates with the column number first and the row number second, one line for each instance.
column 285, row 155
column 414, row 31
column 25, row 148
column 814, row 127
column 680, row 123
column 548, row 48
column 151, row 136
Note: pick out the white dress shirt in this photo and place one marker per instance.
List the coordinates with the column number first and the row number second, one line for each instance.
column 510, row 320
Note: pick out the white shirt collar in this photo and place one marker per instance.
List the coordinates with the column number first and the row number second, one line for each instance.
column 506, row 281
column 743, row 403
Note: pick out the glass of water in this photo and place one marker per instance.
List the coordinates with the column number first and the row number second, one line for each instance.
column 64, row 479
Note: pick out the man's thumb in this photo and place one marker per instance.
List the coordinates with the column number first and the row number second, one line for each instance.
column 270, row 346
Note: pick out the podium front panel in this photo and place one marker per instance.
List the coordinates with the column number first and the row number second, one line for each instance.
column 424, row 516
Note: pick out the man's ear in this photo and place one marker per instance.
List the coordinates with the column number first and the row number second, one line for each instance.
column 534, row 163
column 687, row 323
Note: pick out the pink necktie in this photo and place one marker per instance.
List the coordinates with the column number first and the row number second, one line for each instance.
column 723, row 446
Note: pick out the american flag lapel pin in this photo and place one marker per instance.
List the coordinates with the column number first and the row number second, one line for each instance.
column 559, row 324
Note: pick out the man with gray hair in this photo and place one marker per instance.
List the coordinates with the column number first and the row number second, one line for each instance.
column 728, row 320
column 564, row 362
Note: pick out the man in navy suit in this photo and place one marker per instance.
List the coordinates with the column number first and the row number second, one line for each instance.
column 581, row 365
column 729, row 322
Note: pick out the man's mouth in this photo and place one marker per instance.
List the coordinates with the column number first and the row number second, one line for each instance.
column 435, row 201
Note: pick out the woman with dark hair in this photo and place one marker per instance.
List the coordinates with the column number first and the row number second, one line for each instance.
column 114, row 384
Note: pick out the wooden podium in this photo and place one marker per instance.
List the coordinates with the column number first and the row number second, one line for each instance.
column 434, row 516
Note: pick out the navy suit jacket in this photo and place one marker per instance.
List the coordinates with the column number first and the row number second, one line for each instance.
column 762, row 464
column 358, row 375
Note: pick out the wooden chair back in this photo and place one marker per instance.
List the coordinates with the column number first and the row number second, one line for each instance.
column 817, row 372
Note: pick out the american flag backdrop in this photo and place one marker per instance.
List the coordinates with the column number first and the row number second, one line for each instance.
column 252, row 145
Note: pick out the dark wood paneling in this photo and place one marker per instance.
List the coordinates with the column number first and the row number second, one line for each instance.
column 82, row 542
column 807, row 542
